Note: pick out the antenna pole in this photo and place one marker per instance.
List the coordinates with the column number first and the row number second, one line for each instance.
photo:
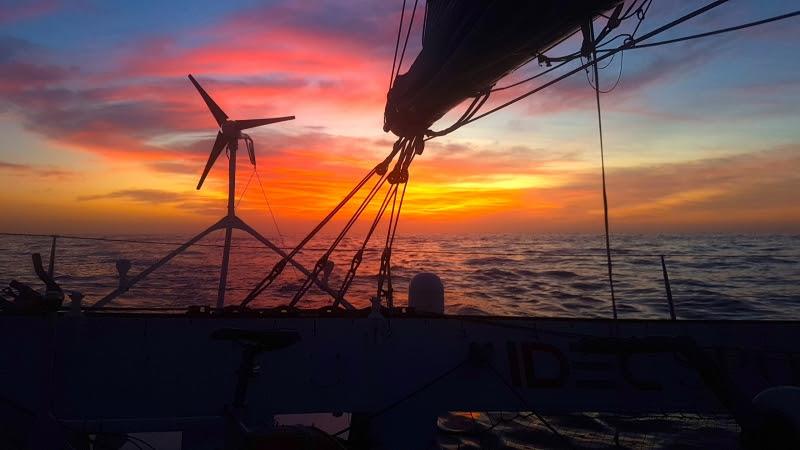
column 229, row 221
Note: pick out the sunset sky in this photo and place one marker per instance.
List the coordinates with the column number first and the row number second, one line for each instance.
column 103, row 133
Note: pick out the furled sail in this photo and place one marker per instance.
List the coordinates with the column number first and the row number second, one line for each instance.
column 468, row 45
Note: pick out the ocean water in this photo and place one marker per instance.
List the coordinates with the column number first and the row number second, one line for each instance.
column 721, row 276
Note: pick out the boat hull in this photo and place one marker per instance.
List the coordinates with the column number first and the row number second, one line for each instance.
column 143, row 372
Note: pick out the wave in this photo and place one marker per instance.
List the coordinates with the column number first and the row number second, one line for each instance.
column 563, row 274
column 546, row 275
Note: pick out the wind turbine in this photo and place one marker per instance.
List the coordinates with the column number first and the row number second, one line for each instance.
column 228, row 136
column 230, row 131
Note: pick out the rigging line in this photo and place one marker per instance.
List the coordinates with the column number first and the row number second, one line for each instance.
column 393, row 229
column 469, row 109
column 356, row 261
column 600, row 45
column 405, row 44
column 627, row 14
column 333, row 212
column 391, row 221
column 399, row 206
column 682, row 19
column 641, row 16
column 603, row 171
column 619, row 74
column 324, row 258
column 245, row 188
column 278, row 267
column 565, row 58
column 607, row 28
column 716, row 32
column 272, row 215
column 641, row 13
column 480, row 105
column 611, row 61
column 274, row 220
column 364, row 204
column 386, row 271
column 608, row 54
column 397, row 44
column 477, row 104
column 526, row 405
column 384, row 205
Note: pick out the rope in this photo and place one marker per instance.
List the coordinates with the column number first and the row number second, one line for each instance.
column 397, row 44
column 241, row 196
column 279, row 266
column 528, row 407
column 619, row 74
column 274, row 220
column 323, row 260
column 404, row 147
column 566, row 59
column 405, row 44
column 357, row 257
column 407, row 149
column 613, row 23
column 603, row 171
column 538, row 75
column 641, row 14
column 720, row 31
column 627, row 14
column 608, row 53
column 385, row 271
column 399, row 206
column 473, row 108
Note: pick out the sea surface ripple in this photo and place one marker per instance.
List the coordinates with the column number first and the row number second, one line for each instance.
column 712, row 276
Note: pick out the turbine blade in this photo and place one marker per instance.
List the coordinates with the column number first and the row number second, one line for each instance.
column 252, row 123
column 219, row 144
column 216, row 111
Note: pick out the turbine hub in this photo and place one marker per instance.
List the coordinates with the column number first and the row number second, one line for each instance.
column 229, row 128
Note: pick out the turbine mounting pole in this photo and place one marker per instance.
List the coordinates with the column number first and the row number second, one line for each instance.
column 232, row 148
column 229, row 223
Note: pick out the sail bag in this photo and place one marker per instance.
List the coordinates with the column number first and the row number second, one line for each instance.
column 468, row 45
